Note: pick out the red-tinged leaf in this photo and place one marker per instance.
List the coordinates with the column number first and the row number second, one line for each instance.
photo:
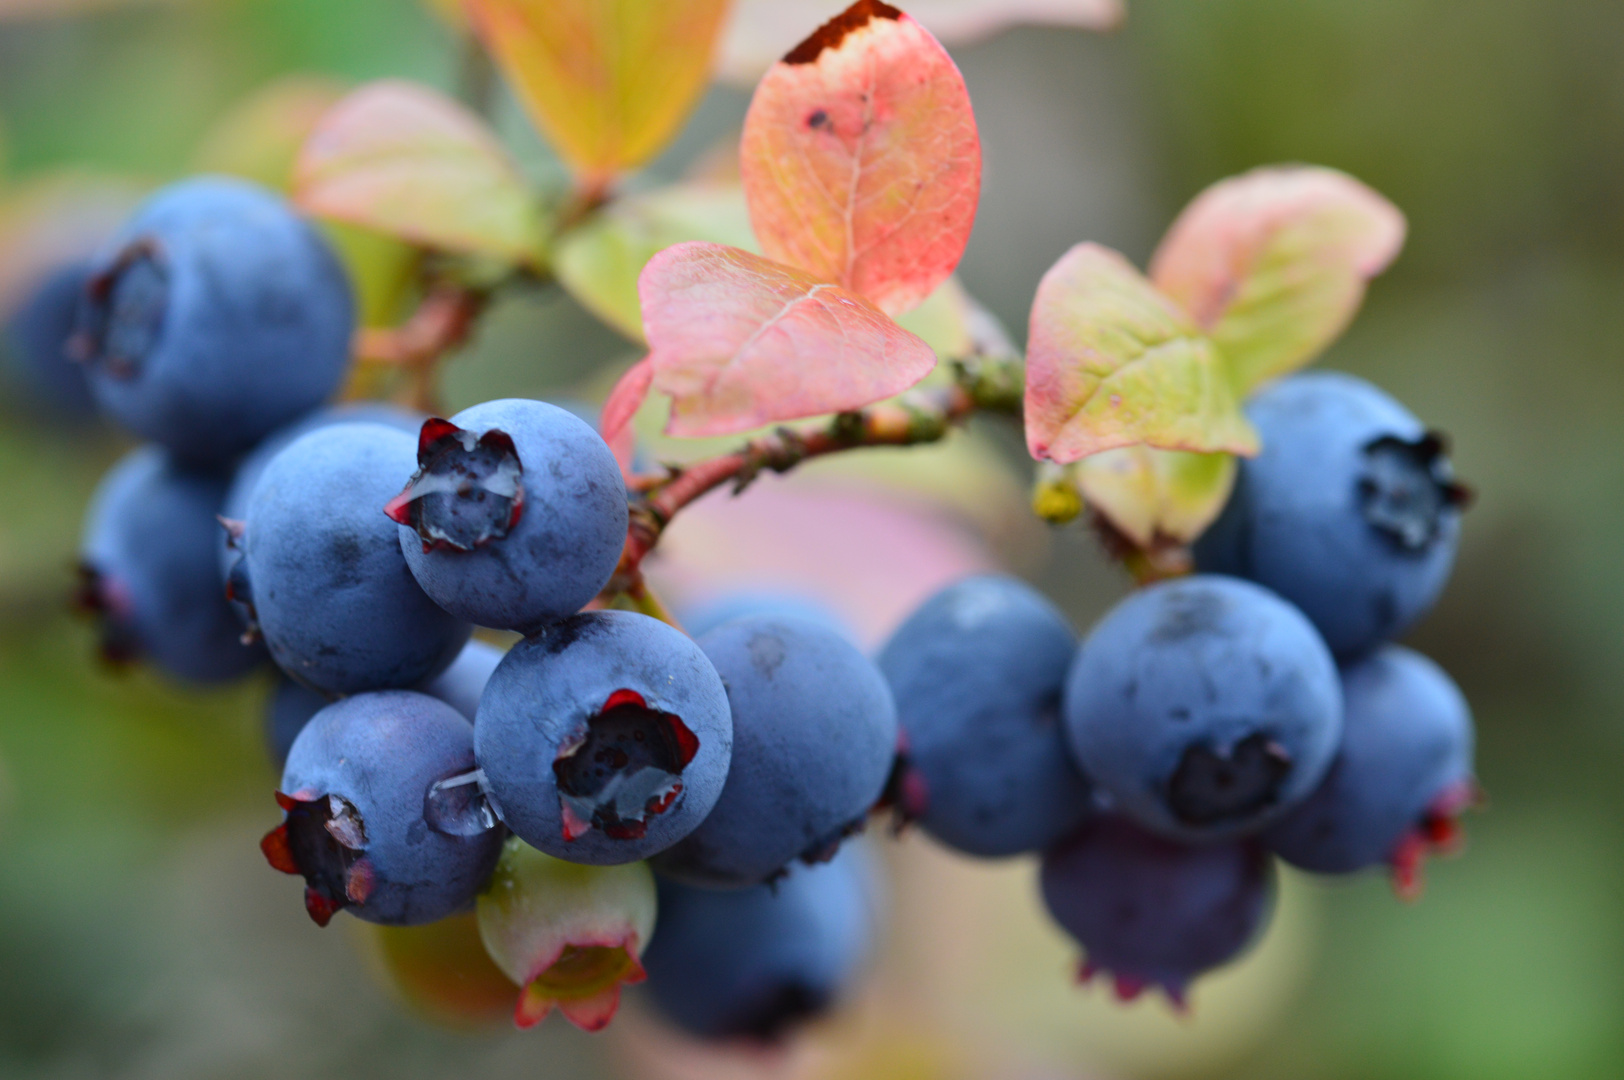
column 1273, row 263
column 1112, row 362
column 608, row 81
column 739, row 341
column 405, row 160
column 860, row 158
column 615, row 422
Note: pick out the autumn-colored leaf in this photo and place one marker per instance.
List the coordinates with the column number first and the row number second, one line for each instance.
column 407, row 161
column 1273, row 263
column 1111, row 362
column 608, row 82
column 760, row 31
column 259, row 138
column 738, row 341
column 860, row 158
column 599, row 260
column 1153, row 496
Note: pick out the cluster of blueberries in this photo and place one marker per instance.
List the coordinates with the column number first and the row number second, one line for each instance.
column 1255, row 707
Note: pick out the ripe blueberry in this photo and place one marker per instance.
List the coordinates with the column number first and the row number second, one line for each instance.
column 516, row 515
column 1400, row 780
column 34, row 340
column 213, row 318
column 702, row 618
column 323, row 572
column 147, row 570
column 814, row 735
column 977, row 673
column 1204, row 707
column 604, row 738
column 381, row 818
column 1151, row 911
column 1351, row 511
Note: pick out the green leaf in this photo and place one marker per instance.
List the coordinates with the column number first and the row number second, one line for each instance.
column 1273, row 264
column 599, row 260
column 1153, row 496
column 259, row 137
column 1112, row 362
column 407, row 161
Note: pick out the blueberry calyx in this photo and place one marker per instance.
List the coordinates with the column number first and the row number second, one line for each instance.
column 1406, row 488
column 1213, row 785
column 121, row 315
column 104, row 598
column 323, row 839
column 468, row 489
column 1437, row 832
column 583, row 982
column 622, row 769
column 776, row 1015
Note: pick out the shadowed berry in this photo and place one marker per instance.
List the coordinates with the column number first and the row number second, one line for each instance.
column 1149, row 911
column 34, row 341
column 605, row 738
column 461, row 684
column 814, row 735
column 1204, row 707
column 442, row 971
column 365, row 791
column 515, row 515
column 977, row 673
column 1351, row 511
column 700, row 619
column 213, row 318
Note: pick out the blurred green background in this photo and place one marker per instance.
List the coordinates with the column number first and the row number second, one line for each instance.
column 141, row 934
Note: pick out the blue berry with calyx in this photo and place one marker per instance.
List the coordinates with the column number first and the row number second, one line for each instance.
column 34, row 342
column 515, row 515
column 147, row 572
column 1204, row 707
column 1400, row 780
column 977, row 673
column 383, row 814
column 814, row 736
column 214, row 317
column 1351, row 512
column 757, row 964
column 1153, row 912
column 605, row 738
column 322, row 569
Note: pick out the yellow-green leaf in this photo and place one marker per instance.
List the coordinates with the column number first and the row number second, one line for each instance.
column 1112, row 362
column 1273, row 263
column 259, row 138
column 599, row 260
column 407, row 161
column 609, row 82
column 54, row 219
column 1153, row 496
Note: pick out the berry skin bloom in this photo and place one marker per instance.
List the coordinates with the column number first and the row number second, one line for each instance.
column 1204, row 707
column 1400, row 780
column 605, row 738
column 515, row 516
column 1351, row 511
column 1149, row 911
column 814, row 736
column 569, row 935
column 323, row 572
column 977, row 673
column 147, row 570
column 213, row 318
column 378, row 818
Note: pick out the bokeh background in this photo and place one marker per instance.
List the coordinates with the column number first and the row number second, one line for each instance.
column 141, row 934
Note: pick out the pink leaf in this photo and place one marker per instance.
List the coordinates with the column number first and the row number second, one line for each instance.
column 1273, row 263
column 615, row 423
column 860, row 158
column 739, row 341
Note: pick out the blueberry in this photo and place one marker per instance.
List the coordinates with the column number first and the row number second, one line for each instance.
column 1351, row 511
column 382, row 816
column 461, row 685
column 213, row 318
column 35, row 343
column 516, row 515
column 604, row 738
column 757, row 963
column 290, row 708
column 1151, row 911
column 702, row 618
column 323, row 572
column 814, row 735
column 1204, row 707
column 977, row 673
column 147, row 570
column 1403, row 774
